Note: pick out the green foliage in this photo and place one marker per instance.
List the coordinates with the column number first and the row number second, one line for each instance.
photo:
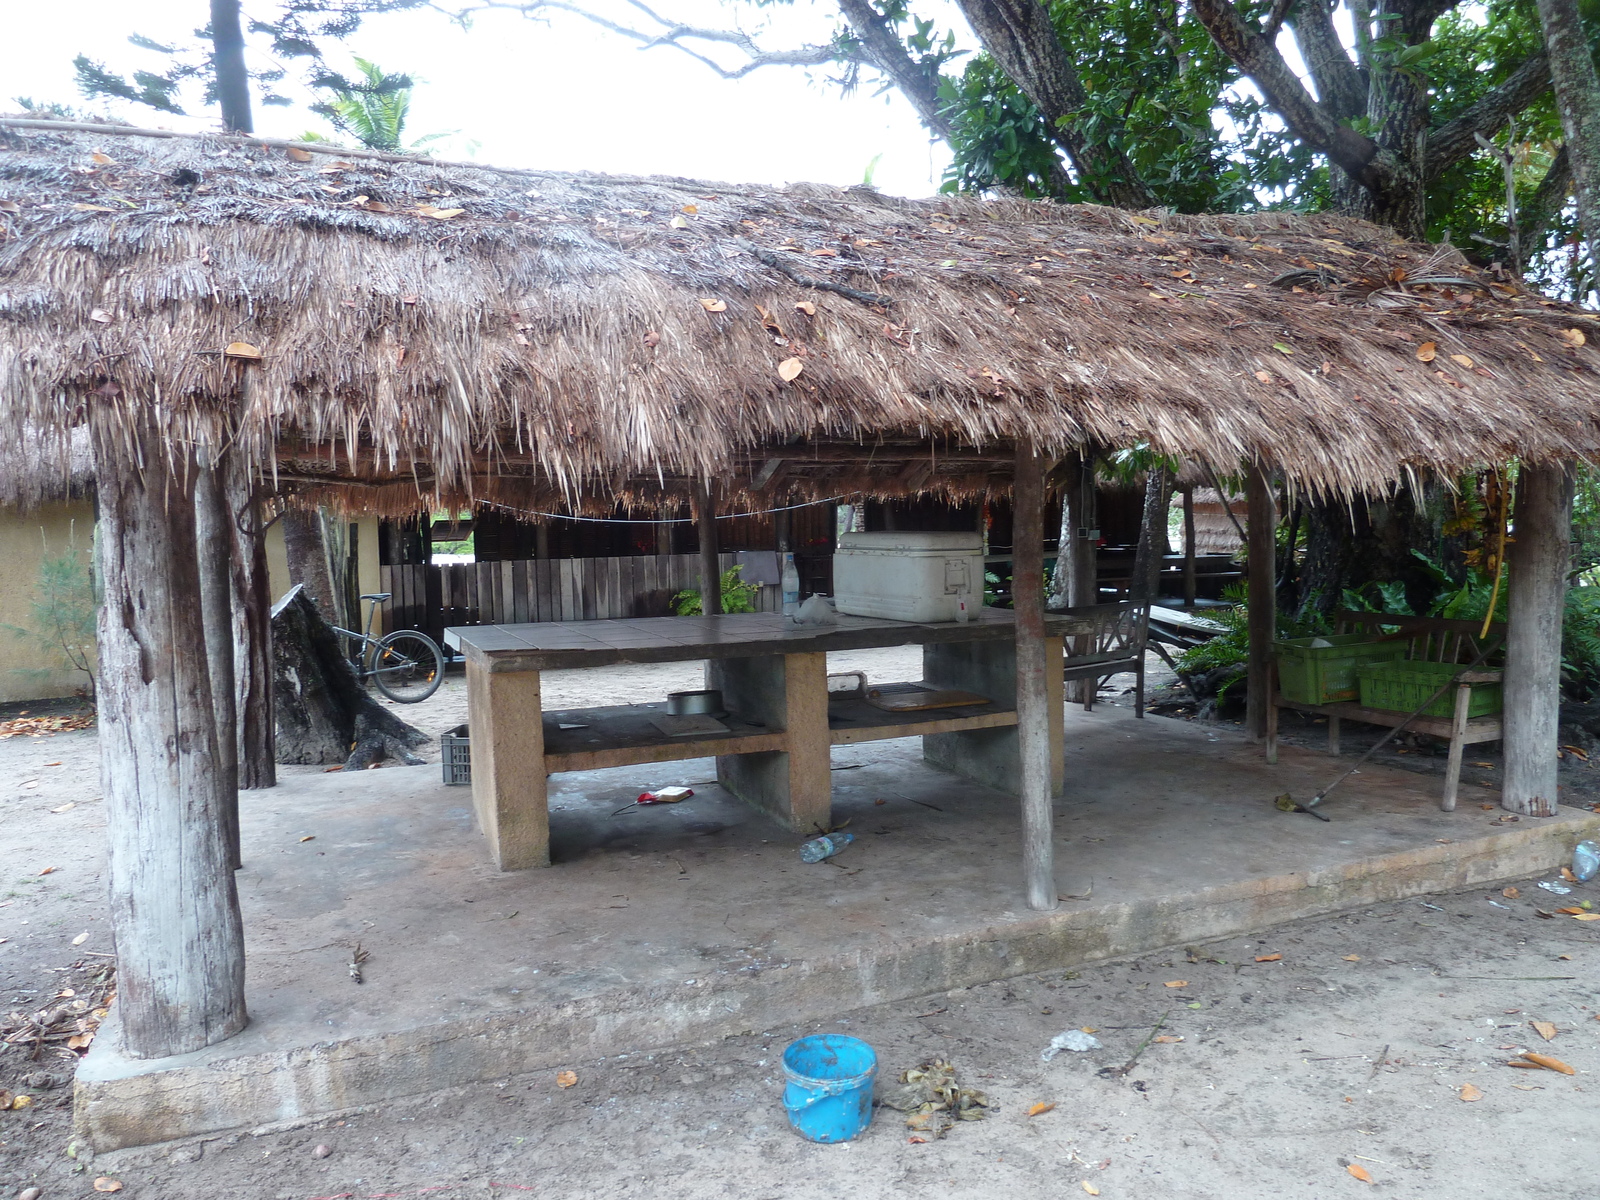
column 737, row 596
column 1232, row 647
column 372, row 108
column 62, row 614
column 1580, row 640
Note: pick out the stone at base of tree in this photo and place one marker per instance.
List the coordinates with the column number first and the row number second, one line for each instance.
column 324, row 715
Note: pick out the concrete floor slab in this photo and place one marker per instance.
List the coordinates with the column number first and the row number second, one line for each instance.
column 676, row 924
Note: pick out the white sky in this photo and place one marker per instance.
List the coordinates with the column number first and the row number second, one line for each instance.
column 564, row 95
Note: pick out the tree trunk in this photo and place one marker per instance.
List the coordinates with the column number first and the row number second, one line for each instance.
column 252, row 631
column 1153, row 544
column 1262, row 528
column 1189, row 581
column 324, row 714
column 1577, row 88
column 308, row 559
column 1366, row 540
column 218, row 547
column 174, row 909
column 1535, row 599
column 1033, row 718
column 227, row 56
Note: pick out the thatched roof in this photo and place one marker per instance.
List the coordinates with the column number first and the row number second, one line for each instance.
column 44, row 467
column 469, row 328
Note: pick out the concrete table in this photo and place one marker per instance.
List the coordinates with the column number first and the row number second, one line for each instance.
column 773, row 678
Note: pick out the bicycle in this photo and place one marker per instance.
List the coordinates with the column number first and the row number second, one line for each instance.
column 407, row 666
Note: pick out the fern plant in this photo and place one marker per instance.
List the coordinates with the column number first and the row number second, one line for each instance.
column 737, row 596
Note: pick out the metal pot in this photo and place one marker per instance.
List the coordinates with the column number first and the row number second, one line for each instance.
column 696, row 704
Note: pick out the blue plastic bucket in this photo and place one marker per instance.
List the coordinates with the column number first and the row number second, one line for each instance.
column 829, row 1093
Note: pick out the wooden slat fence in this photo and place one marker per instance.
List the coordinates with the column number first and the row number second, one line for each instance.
column 431, row 597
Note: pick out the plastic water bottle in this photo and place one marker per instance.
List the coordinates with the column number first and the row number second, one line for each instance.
column 791, row 589
column 1585, row 861
column 826, row 846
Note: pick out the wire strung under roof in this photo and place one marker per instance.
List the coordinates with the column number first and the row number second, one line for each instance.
column 760, row 512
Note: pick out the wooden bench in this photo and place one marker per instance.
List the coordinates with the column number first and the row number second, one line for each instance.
column 1432, row 639
column 1114, row 642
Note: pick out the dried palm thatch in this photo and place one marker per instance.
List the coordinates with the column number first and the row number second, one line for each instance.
column 527, row 335
column 42, row 466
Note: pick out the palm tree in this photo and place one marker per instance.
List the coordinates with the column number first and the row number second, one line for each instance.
column 372, row 109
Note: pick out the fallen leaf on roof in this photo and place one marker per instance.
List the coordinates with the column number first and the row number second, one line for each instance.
column 710, row 304
column 1462, row 360
column 691, row 209
column 93, row 208
column 1573, row 337
column 298, row 155
column 790, row 368
column 806, row 307
column 1428, row 351
column 1359, row 1172
column 1470, row 1093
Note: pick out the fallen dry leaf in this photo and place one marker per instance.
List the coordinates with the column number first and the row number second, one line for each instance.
column 1586, row 916
column 710, row 304
column 679, row 222
column 1428, row 351
column 652, row 339
column 1510, row 893
column 1566, row 873
column 825, row 253
column 1090, row 1188
column 806, row 307
column 1573, row 337
column 917, row 1141
column 1470, row 1093
column 1269, row 958
column 1176, row 983
column 102, row 160
column 1352, row 958
column 92, row 208
column 105, row 1183
column 81, row 938
column 100, row 315
column 1548, row 1063
column 310, row 837
column 1359, row 1172
column 1545, row 1030
column 47, row 871
column 1169, row 1038
column 243, row 350
column 18, row 1103
column 1462, row 360
column 67, row 807
column 1040, row 1109
column 566, row 1079
column 691, row 209
column 1571, row 912
column 298, row 155
column 790, row 368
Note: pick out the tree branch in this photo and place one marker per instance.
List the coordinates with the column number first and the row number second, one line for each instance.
column 1548, row 200
column 1309, row 121
column 885, row 51
column 771, row 259
column 670, row 33
column 1340, row 85
column 1019, row 35
column 1453, row 141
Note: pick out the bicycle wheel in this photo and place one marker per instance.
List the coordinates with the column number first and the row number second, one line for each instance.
column 407, row 666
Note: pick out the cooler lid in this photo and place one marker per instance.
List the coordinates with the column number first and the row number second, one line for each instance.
column 912, row 541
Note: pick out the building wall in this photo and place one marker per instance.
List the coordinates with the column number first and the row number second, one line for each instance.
column 26, row 540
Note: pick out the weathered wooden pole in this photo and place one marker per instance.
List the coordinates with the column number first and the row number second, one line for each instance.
column 705, row 515
column 1189, row 581
column 252, row 629
column 174, row 910
column 1260, row 530
column 217, row 548
column 1535, row 598
column 1033, row 695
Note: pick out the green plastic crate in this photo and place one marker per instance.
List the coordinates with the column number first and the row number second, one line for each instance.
column 1402, row 686
column 1310, row 674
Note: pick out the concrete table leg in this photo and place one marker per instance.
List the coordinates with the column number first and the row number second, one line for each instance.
column 991, row 756
column 509, row 788
column 787, row 692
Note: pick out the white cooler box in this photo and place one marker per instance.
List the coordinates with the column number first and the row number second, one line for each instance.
column 908, row 576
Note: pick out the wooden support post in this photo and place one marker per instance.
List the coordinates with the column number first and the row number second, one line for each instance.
column 509, row 788
column 1033, row 689
column 1188, row 548
column 705, row 516
column 1535, row 597
column 174, row 908
column 1458, row 733
column 217, row 548
column 252, row 630
column 1263, row 613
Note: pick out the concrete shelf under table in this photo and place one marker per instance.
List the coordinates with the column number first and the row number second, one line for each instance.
column 773, row 677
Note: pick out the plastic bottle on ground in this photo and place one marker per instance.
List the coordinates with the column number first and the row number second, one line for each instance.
column 826, row 846
column 1585, row 861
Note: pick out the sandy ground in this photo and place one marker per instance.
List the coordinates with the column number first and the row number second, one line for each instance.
column 1352, row 1050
